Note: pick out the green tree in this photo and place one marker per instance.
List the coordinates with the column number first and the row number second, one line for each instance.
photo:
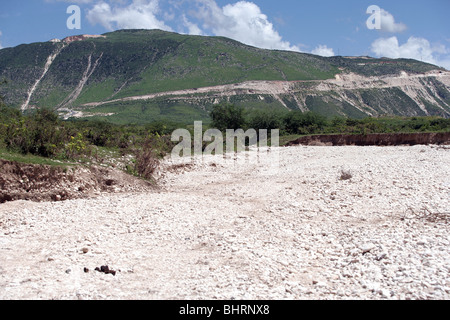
column 266, row 120
column 227, row 116
column 297, row 122
column 43, row 136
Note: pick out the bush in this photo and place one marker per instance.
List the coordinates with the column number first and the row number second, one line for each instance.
column 162, row 128
column 297, row 122
column 148, row 155
column 440, row 124
column 100, row 133
column 37, row 134
column 265, row 120
column 146, row 162
column 77, row 147
column 227, row 116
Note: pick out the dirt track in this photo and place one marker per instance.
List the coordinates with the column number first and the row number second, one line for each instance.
column 225, row 231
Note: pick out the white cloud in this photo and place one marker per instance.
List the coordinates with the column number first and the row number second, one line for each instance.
column 415, row 48
column 324, row 51
column 71, row 1
column 140, row 14
column 388, row 23
column 242, row 21
column 193, row 29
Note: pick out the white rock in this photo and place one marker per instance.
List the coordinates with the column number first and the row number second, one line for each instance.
column 365, row 248
column 385, row 293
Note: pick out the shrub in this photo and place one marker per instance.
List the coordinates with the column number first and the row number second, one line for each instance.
column 227, row 116
column 146, row 162
column 38, row 134
column 76, row 147
column 297, row 122
column 148, row 156
column 265, row 120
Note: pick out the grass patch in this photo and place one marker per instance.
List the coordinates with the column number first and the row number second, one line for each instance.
column 32, row 159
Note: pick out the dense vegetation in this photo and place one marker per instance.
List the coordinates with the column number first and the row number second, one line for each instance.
column 299, row 123
column 43, row 134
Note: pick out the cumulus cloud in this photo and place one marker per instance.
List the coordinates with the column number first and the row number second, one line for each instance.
column 388, row 23
column 242, row 21
column 324, row 51
column 140, row 14
column 415, row 48
column 193, row 29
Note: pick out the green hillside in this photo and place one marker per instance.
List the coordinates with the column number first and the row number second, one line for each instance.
column 130, row 63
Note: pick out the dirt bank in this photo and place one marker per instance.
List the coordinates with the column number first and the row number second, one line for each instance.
column 20, row 181
column 381, row 139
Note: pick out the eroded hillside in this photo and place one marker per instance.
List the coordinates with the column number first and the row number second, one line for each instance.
column 409, row 95
column 146, row 75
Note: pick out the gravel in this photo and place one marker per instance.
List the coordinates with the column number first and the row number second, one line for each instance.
column 221, row 229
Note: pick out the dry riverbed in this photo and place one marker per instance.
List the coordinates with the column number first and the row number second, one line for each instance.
column 323, row 223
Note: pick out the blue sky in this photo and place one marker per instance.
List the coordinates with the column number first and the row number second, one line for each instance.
column 407, row 29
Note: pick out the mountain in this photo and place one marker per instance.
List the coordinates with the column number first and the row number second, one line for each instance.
column 147, row 75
